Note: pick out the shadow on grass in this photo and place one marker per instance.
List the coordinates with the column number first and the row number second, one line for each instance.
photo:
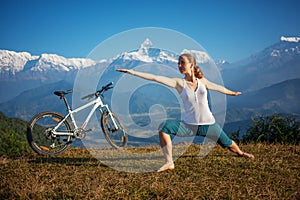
column 208, row 156
column 79, row 161
column 67, row 161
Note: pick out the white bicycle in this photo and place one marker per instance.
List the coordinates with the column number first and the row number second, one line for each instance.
column 50, row 133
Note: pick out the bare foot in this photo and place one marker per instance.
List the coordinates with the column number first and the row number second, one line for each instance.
column 166, row 166
column 247, row 155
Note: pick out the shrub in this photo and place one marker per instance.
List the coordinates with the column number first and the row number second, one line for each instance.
column 12, row 144
column 273, row 129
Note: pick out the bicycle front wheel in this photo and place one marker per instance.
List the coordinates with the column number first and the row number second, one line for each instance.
column 116, row 136
column 40, row 137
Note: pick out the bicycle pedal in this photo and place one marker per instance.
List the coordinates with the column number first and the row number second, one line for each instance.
column 89, row 130
column 112, row 130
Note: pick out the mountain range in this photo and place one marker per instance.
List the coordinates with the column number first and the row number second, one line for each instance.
column 274, row 64
column 268, row 79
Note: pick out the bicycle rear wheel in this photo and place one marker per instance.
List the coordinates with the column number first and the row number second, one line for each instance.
column 40, row 137
column 117, row 138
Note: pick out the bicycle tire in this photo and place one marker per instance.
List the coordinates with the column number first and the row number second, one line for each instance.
column 39, row 136
column 116, row 138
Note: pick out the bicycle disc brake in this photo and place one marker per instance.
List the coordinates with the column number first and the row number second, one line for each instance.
column 79, row 133
column 48, row 133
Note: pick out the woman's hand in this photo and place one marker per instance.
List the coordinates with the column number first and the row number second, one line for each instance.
column 235, row 93
column 125, row 71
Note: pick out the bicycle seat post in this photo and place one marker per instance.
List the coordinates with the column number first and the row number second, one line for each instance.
column 66, row 102
column 62, row 94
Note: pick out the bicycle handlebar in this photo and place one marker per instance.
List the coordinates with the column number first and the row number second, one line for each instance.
column 104, row 88
column 99, row 92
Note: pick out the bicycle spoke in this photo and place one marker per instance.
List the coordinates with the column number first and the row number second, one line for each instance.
column 41, row 138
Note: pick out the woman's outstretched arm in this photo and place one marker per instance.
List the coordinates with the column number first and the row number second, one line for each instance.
column 170, row 82
column 219, row 88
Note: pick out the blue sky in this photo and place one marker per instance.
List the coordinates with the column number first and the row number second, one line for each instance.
column 227, row 29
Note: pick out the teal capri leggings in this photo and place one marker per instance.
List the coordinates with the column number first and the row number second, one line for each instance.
column 181, row 129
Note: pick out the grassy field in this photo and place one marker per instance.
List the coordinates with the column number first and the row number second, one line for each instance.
column 273, row 174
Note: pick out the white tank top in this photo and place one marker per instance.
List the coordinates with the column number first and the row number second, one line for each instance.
column 196, row 109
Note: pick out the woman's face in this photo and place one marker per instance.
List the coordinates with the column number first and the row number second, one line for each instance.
column 184, row 65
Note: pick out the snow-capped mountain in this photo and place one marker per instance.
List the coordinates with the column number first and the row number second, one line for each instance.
column 13, row 62
column 148, row 54
column 288, row 46
column 284, row 49
column 221, row 62
column 48, row 62
column 20, row 71
column 200, row 56
column 274, row 64
column 290, row 39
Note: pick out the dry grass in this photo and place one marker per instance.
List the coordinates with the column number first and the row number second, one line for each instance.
column 273, row 174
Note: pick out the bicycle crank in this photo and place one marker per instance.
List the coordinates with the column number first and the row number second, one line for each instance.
column 79, row 133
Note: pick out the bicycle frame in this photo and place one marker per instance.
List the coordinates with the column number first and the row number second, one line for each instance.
column 97, row 104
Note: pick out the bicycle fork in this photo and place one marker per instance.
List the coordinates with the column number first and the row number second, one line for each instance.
column 111, row 117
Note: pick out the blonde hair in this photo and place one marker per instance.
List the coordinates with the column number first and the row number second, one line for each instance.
column 197, row 71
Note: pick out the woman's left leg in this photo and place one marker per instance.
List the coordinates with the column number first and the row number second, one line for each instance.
column 235, row 148
column 216, row 133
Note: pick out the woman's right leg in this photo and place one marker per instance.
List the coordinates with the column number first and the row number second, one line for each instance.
column 166, row 145
column 171, row 127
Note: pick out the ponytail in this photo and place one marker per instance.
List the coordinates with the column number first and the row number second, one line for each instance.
column 198, row 72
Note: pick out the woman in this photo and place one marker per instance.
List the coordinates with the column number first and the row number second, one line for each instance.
column 197, row 119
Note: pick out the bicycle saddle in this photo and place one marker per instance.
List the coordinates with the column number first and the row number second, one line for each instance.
column 62, row 93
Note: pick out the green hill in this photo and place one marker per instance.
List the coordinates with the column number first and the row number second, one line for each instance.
column 12, row 136
column 281, row 98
